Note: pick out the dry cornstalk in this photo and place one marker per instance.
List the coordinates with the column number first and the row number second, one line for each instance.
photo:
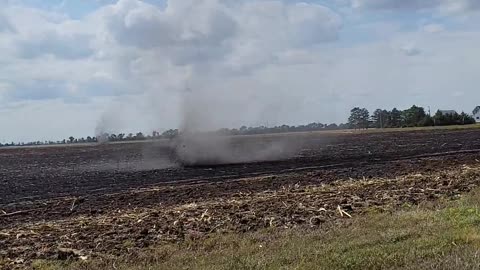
column 270, row 221
column 343, row 212
column 16, row 213
column 73, row 205
column 142, row 218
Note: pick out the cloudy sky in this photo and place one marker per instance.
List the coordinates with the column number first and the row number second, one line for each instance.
column 70, row 67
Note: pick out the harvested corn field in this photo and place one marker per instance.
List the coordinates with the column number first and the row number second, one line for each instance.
column 82, row 202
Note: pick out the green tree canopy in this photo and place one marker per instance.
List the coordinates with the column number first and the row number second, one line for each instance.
column 359, row 118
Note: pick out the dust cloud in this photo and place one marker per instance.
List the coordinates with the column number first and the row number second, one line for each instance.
column 214, row 149
column 201, row 112
column 196, row 144
column 223, row 71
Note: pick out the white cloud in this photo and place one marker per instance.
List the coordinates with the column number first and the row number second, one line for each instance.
column 5, row 24
column 52, row 43
column 395, row 4
column 127, row 65
column 460, row 6
column 410, row 49
column 433, row 28
column 444, row 6
column 188, row 33
column 134, row 48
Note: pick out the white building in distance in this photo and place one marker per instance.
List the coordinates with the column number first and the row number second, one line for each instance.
column 476, row 114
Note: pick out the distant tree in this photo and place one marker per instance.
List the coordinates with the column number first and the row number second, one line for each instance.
column 414, row 116
column 169, row 134
column 314, row 126
column 380, row 118
column 365, row 118
column 354, row 119
column 467, row 119
column 395, row 118
column 332, row 126
column 224, row 131
column 359, row 118
column 427, row 121
column 343, row 126
column 442, row 119
column 121, row 136
column 139, row 136
column 71, row 139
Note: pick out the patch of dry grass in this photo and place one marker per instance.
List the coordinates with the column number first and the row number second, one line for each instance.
column 438, row 236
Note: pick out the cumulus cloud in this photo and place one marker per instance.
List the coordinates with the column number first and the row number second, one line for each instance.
column 128, row 64
column 191, row 44
column 51, row 43
column 5, row 24
column 271, row 28
column 448, row 6
column 410, row 49
column 39, row 33
column 153, row 52
column 433, row 28
column 395, row 4
column 460, row 6
column 187, row 32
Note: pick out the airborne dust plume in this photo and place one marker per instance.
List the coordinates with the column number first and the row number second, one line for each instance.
column 199, row 144
column 216, row 58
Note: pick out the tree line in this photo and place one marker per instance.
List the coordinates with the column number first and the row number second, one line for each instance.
column 360, row 118
column 172, row 133
column 415, row 116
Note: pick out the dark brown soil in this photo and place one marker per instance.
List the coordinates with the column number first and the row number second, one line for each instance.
column 98, row 200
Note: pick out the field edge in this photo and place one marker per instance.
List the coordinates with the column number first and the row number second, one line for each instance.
column 438, row 235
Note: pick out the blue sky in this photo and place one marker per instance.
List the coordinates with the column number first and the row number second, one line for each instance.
column 74, row 9
column 82, row 67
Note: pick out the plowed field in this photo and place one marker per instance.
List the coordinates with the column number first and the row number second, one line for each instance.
column 104, row 200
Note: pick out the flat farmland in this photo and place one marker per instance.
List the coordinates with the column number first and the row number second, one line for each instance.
column 91, row 201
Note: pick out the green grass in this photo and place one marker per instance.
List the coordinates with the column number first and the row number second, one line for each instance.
column 443, row 236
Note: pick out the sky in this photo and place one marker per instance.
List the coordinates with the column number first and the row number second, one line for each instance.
column 77, row 68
